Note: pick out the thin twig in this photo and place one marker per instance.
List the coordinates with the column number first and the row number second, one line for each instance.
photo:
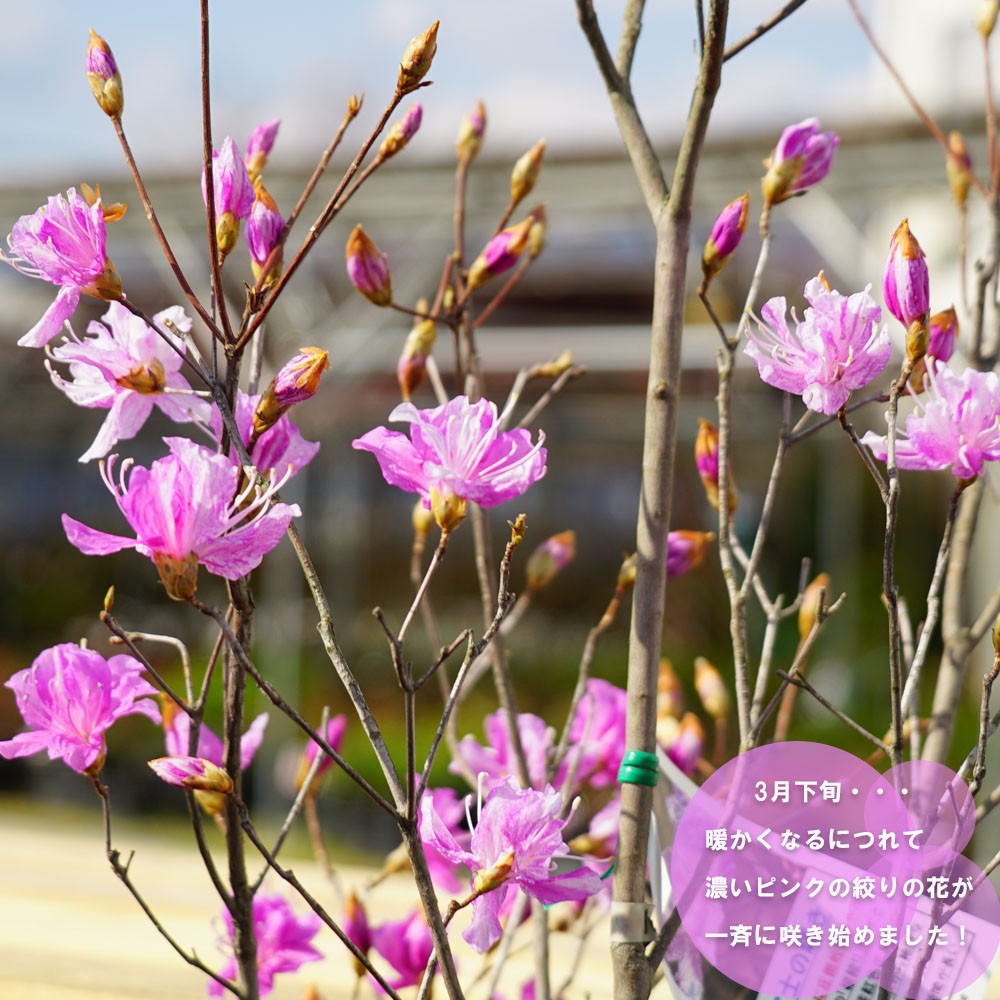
column 763, row 28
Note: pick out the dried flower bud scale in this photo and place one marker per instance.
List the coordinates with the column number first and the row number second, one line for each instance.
column 959, row 165
column 297, row 380
column 802, row 158
column 809, row 609
column 194, row 773
column 500, row 254
column 63, row 242
column 259, row 147
column 417, row 60
column 711, row 689
column 525, row 173
column 401, row 132
column 265, row 225
column 470, row 134
column 368, row 268
column 706, row 460
column 550, row 559
column 906, row 287
column 724, row 239
column 103, row 76
column 412, row 364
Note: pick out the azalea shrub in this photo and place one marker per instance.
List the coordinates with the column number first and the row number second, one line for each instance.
column 544, row 813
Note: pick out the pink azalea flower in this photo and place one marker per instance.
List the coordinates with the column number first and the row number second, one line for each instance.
column 497, row 760
column 177, row 728
column 71, row 696
column 280, row 450
column 516, row 841
column 283, row 942
column 186, row 512
column 597, row 734
column 407, row 946
column 64, row 243
column 955, row 425
column 685, row 550
column 836, row 348
column 125, row 367
column 456, row 452
column 450, row 809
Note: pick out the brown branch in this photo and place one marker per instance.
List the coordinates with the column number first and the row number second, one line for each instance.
column 763, row 28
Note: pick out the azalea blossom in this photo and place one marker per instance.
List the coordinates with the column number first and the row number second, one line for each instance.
column 69, row 697
column 177, row 728
column 283, row 942
column 455, row 453
column 955, row 425
column 186, row 512
column 497, row 760
column 280, row 450
column 126, row 367
column 450, row 809
column 407, row 946
column 597, row 733
column 516, row 842
column 63, row 243
column 836, row 348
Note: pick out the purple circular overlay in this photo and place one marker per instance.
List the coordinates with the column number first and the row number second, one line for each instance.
column 799, row 870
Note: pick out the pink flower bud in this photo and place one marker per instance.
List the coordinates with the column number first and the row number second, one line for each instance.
column 412, row 362
column 368, row 268
column 195, row 773
column 943, row 333
column 906, row 287
column 685, row 550
column 500, row 254
column 264, row 228
column 802, row 158
column 233, row 194
column 334, row 735
column 297, row 380
column 470, row 134
column 550, row 559
column 711, row 689
column 959, row 167
column 103, row 76
column 683, row 742
column 706, row 459
column 402, row 132
column 725, row 237
column 259, row 147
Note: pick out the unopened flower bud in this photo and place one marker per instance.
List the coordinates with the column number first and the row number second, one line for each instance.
column 810, row 607
column 368, row 268
column 940, row 345
column 669, row 693
column 401, row 132
column 500, row 254
column 334, row 735
column 259, row 147
column 711, row 689
column 550, row 559
column 194, row 773
column 103, row 76
column 555, row 367
column 297, row 380
column 417, row 59
column 802, row 158
column 996, row 636
column 685, row 550
column 525, row 172
column 470, row 134
column 264, row 228
column 412, row 364
column 986, row 16
column 423, row 521
column 959, row 165
column 232, row 192
column 538, row 232
column 686, row 743
column 355, row 926
column 725, row 238
column 706, row 460
column 906, row 288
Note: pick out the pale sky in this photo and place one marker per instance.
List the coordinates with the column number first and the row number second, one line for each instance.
column 299, row 61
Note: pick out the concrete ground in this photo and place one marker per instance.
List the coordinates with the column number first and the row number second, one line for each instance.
column 69, row 930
